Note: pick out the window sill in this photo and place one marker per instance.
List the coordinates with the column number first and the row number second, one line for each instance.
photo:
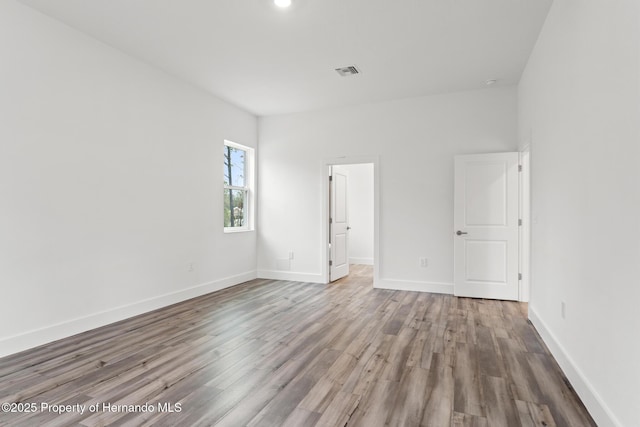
column 233, row 230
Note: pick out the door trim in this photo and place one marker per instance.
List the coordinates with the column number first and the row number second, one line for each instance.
column 525, row 229
column 324, row 226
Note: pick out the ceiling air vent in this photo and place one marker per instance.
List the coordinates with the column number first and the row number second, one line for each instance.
column 347, row 71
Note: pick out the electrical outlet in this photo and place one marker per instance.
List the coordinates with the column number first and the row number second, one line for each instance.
column 563, row 312
column 190, row 267
column 290, row 254
column 423, row 262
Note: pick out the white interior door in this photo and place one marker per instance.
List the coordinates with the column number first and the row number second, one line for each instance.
column 339, row 225
column 486, row 226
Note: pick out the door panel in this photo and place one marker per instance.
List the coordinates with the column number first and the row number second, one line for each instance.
column 486, row 215
column 340, row 254
column 341, row 198
column 485, row 261
column 485, row 195
column 339, row 225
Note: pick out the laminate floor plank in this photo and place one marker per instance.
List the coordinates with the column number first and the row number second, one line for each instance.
column 339, row 412
column 376, row 405
column 565, row 406
column 532, row 415
column 285, row 402
column 439, row 393
column 409, row 404
column 467, row 393
column 318, row 398
column 283, row 353
column 399, row 354
column 301, row 418
column 371, row 366
column 498, row 403
column 520, row 376
column 466, row 420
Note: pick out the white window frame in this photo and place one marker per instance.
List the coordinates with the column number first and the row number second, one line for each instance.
column 247, row 188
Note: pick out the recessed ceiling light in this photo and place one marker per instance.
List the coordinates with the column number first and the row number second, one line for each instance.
column 282, row 3
column 491, row 82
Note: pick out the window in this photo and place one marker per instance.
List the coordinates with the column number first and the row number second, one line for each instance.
column 238, row 164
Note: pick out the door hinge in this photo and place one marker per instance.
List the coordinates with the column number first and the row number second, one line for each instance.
column 519, row 276
column 330, row 177
column 519, row 168
column 330, row 220
column 330, row 263
column 519, row 222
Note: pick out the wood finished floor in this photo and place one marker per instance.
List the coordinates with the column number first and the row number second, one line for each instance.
column 276, row 353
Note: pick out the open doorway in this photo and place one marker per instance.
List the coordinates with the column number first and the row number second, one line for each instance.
column 350, row 216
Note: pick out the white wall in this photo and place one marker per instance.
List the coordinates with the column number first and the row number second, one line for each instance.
column 415, row 140
column 579, row 102
column 360, row 205
column 110, row 184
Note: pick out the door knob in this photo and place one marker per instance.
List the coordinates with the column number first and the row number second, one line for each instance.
column 348, row 228
column 460, row 233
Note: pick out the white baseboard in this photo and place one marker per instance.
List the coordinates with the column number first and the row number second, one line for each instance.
column 361, row 261
column 290, row 275
column 416, row 286
column 37, row 337
column 600, row 412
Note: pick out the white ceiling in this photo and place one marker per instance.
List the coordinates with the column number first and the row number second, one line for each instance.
column 272, row 61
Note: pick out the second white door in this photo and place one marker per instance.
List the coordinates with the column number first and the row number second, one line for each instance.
column 338, row 225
